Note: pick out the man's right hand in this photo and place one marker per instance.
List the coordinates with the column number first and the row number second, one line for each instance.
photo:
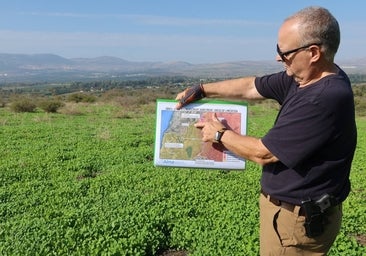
column 189, row 95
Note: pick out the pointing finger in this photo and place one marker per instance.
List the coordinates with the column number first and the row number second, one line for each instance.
column 199, row 124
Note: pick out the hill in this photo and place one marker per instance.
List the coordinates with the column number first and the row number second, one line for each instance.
column 54, row 68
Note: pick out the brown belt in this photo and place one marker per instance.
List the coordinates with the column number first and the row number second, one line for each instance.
column 282, row 204
column 291, row 207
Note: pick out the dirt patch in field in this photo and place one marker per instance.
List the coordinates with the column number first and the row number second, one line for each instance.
column 174, row 253
column 361, row 239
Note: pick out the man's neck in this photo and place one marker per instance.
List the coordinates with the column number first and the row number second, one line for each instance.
column 319, row 72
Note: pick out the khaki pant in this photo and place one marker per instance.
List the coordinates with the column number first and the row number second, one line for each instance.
column 282, row 232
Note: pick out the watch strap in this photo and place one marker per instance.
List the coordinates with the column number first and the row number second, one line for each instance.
column 218, row 135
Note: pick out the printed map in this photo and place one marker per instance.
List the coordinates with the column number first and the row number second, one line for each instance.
column 179, row 143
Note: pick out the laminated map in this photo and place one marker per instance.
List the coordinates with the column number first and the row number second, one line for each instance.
column 178, row 143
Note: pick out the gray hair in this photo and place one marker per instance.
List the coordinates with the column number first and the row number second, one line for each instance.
column 318, row 25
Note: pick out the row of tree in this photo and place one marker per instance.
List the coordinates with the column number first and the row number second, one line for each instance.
column 94, row 86
column 129, row 92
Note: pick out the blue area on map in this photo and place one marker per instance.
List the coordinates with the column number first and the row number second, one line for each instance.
column 166, row 116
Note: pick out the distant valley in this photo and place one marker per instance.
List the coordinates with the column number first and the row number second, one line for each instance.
column 23, row 68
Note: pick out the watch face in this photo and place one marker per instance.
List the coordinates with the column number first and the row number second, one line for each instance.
column 217, row 136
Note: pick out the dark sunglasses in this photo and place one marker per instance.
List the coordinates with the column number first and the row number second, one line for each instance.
column 284, row 54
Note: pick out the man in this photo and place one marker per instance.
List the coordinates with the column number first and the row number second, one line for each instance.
column 307, row 155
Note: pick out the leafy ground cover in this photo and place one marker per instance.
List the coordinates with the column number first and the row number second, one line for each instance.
column 82, row 182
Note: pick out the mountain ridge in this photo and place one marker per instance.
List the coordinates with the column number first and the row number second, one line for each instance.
column 48, row 67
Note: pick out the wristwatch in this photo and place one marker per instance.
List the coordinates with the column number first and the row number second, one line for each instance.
column 218, row 135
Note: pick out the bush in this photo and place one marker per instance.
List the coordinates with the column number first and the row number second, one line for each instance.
column 81, row 97
column 360, row 105
column 360, row 102
column 50, row 106
column 23, row 105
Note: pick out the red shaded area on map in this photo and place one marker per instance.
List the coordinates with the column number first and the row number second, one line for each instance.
column 214, row 151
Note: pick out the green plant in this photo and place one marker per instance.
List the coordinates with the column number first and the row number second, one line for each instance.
column 23, row 104
column 81, row 97
column 86, row 185
column 50, row 105
column 2, row 103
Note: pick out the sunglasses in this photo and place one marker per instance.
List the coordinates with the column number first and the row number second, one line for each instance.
column 283, row 55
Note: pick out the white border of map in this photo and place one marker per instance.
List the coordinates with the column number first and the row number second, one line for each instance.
column 233, row 161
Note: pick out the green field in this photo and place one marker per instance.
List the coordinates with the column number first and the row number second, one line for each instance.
column 82, row 182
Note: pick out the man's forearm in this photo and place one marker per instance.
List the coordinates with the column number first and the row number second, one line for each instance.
column 248, row 147
column 240, row 88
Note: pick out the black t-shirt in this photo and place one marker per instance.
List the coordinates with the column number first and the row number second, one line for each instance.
column 314, row 137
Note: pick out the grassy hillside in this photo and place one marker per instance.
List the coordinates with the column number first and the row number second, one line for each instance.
column 81, row 182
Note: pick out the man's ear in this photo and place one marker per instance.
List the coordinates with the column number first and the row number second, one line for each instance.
column 315, row 52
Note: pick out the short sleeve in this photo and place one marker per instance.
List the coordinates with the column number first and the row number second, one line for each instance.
column 275, row 86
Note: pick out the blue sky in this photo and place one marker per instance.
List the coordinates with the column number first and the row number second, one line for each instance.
column 165, row 30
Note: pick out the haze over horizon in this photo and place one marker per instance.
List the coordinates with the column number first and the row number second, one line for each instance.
column 167, row 31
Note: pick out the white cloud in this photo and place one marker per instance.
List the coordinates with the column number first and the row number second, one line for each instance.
column 155, row 19
column 174, row 21
column 175, row 44
column 141, row 47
